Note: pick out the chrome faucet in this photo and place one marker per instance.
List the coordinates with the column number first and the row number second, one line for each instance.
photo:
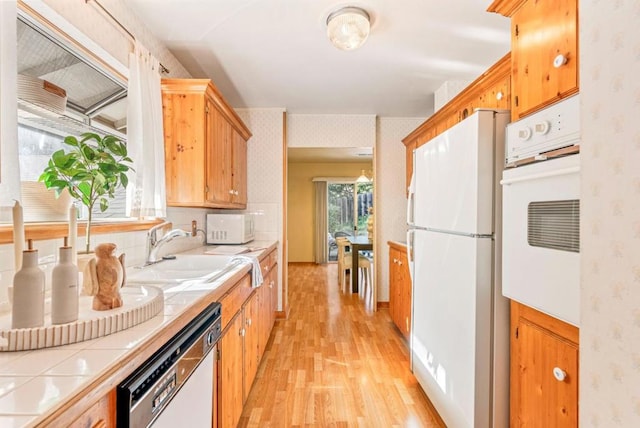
column 154, row 244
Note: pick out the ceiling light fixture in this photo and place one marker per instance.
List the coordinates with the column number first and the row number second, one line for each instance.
column 363, row 178
column 348, row 28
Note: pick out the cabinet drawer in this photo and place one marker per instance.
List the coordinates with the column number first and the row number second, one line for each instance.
column 100, row 415
column 267, row 262
column 232, row 301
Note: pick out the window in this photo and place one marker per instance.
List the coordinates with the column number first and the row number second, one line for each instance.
column 61, row 92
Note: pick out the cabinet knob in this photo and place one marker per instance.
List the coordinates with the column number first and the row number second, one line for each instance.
column 249, row 322
column 559, row 61
column 559, row 374
column 271, row 284
column 499, row 95
column 235, row 192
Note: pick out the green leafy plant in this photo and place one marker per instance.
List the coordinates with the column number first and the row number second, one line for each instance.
column 91, row 170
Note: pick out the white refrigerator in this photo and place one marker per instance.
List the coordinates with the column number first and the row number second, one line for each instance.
column 460, row 329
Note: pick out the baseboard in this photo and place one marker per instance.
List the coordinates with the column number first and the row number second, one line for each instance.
column 383, row 305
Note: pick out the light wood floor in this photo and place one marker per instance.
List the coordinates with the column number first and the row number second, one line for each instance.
column 334, row 364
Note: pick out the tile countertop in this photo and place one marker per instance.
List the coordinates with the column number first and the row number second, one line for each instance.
column 35, row 384
column 401, row 245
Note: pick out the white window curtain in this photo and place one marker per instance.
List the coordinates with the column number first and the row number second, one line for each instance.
column 320, row 236
column 9, row 165
column 145, row 140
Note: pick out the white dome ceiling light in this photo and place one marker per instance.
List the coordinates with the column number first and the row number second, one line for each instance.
column 348, row 27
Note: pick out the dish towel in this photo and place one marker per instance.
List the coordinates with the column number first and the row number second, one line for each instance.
column 256, row 276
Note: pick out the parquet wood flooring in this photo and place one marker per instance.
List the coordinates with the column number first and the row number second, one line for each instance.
column 334, row 364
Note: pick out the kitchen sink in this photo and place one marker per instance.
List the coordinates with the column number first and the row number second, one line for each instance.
column 185, row 267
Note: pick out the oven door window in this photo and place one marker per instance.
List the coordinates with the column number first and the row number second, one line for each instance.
column 554, row 224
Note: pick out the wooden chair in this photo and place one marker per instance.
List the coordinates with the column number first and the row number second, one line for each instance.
column 365, row 279
column 344, row 260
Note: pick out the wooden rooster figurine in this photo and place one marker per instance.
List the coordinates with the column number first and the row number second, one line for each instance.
column 107, row 276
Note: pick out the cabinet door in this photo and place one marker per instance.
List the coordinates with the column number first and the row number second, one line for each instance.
column 185, row 123
column 264, row 296
column 544, row 375
column 239, row 169
column 395, row 289
column 274, row 293
column 540, row 31
column 230, row 395
column 219, row 159
column 393, row 284
column 497, row 95
column 404, row 280
column 251, row 337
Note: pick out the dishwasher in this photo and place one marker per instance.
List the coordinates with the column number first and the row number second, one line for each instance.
column 176, row 384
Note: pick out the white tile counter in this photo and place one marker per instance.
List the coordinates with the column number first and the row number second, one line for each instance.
column 33, row 384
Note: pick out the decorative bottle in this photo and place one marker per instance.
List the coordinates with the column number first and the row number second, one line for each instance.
column 64, row 288
column 28, row 293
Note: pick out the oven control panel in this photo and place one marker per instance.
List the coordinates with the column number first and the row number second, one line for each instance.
column 553, row 128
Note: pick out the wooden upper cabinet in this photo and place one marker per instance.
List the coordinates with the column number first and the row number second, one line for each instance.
column 238, row 171
column 544, row 52
column 491, row 90
column 205, row 146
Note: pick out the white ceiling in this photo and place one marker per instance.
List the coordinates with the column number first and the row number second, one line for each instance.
column 275, row 53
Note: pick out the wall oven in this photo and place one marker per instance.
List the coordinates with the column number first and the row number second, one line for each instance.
column 176, row 385
column 541, row 212
column 541, row 236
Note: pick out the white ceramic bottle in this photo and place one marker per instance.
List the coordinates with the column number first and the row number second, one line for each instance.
column 28, row 293
column 64, row 288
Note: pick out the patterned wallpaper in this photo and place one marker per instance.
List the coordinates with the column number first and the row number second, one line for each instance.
column 265, row 181
column 331, row 130
column 390, row 212
column 610, row 230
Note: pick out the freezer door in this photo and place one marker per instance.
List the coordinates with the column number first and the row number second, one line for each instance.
column 451, row 338
column 454, row 178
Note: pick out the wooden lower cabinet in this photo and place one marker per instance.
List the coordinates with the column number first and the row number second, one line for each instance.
column 101, row 415
column 248, row 316
column 251, row 355
column 230, row 374
column 273, row 286
column 544, row 370
column 399, row 288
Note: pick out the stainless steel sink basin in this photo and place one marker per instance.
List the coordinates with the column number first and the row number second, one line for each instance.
column 185, row 267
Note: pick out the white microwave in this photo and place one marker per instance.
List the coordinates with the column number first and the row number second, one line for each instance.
column 230, row 228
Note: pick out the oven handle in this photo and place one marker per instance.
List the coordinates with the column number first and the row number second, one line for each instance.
column 554, row 173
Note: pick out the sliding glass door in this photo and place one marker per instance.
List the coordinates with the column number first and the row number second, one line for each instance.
column 347, row 211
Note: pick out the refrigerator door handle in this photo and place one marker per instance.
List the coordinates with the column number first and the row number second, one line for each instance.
column 410, row 234
column 410, row 202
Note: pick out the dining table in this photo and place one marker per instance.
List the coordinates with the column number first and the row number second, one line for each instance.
column 357, row 244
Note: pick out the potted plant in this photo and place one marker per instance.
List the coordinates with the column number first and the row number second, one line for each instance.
column 91, row 170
